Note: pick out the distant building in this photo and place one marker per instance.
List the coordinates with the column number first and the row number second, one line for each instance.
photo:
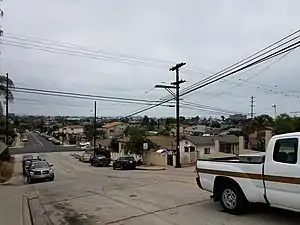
column 194, row 147
column 238, row 117
column 72, row 129
column 114, row 129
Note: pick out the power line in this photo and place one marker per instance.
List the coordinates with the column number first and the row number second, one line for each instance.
column 84, row 48
column 222, row 74
column 218, row 77
column 210, row 81
column 248, row 59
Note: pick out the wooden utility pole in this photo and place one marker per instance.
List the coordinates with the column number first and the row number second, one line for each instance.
column 177, row 83
column 7, row 117
column 95, row 128
column 252, row 107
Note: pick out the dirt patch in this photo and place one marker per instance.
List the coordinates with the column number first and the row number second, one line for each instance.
column 6, row 170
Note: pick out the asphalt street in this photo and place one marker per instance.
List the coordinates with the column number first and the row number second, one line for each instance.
column 38, row 144
column 85, row 195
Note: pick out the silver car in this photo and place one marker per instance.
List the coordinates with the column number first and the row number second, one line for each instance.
column 40, row 170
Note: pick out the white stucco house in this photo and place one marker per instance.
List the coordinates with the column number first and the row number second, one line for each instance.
column 194, row 147
column 114, row 129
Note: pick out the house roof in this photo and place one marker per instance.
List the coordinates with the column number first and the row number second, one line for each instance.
column 198, row 140
column 112, row 124
column 162, row 141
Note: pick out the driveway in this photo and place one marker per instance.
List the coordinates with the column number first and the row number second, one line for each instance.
column 82, row 194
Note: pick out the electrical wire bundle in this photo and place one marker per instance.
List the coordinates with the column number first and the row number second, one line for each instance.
column 283, row 46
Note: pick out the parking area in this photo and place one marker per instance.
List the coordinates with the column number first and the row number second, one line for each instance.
column 82, row 194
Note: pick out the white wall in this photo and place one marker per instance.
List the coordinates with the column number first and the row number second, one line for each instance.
column 190, row 157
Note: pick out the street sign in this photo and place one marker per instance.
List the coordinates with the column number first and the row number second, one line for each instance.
column 145, row 146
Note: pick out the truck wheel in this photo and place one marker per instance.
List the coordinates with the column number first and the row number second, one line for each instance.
column 233, row 200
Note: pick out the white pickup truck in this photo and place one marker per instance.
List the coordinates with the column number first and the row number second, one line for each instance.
column 272, row 177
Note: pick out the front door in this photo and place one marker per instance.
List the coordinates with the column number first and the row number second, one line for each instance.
column 282, row 173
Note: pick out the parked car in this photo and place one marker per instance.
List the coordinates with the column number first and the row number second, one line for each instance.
column 99, row 160
column 85, row 158
column 56, row 142
column 40, row 170
column 271, row 177
column 49, row 138
column 127, row 162
column 24, row 139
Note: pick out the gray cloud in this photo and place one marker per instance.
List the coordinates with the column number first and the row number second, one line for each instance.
column 208, row 35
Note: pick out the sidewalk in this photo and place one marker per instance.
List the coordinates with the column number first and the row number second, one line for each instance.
column 13, row 205
column 150, row 168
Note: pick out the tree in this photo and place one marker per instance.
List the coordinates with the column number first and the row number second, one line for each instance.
column 137, row 138
column 145, row 121
column 284, row 124
column 170, row 121
column 3, row 81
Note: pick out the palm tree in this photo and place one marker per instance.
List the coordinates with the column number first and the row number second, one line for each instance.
column 11, row 85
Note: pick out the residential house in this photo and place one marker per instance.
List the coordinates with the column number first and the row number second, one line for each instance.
column 72, row 129
column 189, row 130
column 114, row 129
column 194, row 147
column 104, row 143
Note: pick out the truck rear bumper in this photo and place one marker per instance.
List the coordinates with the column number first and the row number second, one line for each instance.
column 199, row 182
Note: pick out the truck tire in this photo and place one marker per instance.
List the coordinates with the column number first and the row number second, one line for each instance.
column 233, row 199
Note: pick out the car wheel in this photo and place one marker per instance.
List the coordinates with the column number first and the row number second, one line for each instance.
column 114, row 167
column 52, row 178
column 233, row 199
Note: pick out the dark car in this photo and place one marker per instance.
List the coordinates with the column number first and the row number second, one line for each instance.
column 99, row 160
column 56, row 142
column 27, row 163
column 39, row 170
column 127, row 162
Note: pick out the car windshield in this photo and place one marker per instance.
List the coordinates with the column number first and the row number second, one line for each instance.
column 41, row 164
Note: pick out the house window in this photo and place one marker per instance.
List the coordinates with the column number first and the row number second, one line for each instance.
column 186, row 149
column 192, row 149
column 285, row 150
column 186, row 142
column 111, row 130
column 206, row 151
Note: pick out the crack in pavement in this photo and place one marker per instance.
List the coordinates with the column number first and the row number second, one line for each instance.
column 155, row 211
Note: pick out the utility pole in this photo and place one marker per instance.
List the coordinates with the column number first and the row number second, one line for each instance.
column 62, row 130
column 275, row 110
column 6, row 99
column 252, row 107
column 95, row 121
column 177, row 83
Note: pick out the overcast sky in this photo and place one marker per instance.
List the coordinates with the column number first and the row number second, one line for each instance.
column 207, row 35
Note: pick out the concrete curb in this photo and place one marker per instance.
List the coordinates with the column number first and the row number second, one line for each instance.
column 26, row 218
column 150, row 169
